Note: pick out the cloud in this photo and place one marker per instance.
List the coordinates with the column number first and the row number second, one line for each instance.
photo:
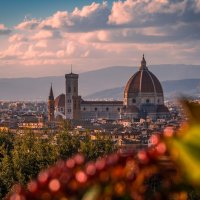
column 123, row 14
column 28, row 24
column 113, row 35
column 141, row 13
column 14, row 51
column 57, row 21
column 41, row 44
column 79, row 20
column 17, row 38
column 4, row 30
column 45, row 34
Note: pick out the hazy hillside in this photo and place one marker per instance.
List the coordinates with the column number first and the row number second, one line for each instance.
column 113, row 77
column 171, row 88
column 90, row 82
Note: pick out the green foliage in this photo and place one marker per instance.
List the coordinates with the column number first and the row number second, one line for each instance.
column 67, row 145
column 22, row 157
column 97, row 148
column 6, row 140
column 30, row 155
column 7, row 175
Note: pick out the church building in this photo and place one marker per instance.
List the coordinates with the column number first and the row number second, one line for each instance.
column 143, row 97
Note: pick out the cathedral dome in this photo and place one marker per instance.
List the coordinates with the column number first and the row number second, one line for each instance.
column 60, row 101
column 142, row 82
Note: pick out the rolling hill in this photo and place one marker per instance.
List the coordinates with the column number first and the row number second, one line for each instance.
column 171, row 88
column 92, row 82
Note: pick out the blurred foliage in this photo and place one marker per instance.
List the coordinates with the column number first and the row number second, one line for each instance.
column 184, row 146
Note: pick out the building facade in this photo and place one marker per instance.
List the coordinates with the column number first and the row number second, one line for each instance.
column 143, row 97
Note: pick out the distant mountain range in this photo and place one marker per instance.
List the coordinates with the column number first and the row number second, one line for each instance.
column 100, row 80
column 187, row 87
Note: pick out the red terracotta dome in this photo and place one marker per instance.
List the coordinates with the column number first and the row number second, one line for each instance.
column 143, row 81
column 60, row 101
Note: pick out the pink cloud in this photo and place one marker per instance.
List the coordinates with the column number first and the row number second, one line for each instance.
column 58, row 20
column 88, row 10
column 41, row 44
column 43, row 34
column 17, row 38
column 114, row 37
column 129, row 11
column 121, row 12
column 76, row 21
column 28, row 24
column 4, row 30
column 13, row 51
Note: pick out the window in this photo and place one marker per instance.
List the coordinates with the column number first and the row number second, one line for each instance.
column 133, row 101
column 74, row 89
column 147, row 101
column 158, row 100
column 118, row 109
column 69, row 89
column 84, row 109
column 107, row 109
column 95, row 109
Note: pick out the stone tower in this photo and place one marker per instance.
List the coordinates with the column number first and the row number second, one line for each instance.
column 51, row 107
column 72, row 100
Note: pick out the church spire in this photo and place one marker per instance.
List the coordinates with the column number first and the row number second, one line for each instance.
column 51, row 96
column 143, row 64
column 51, row 106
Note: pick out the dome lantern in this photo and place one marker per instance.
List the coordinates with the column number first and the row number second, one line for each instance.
column 143, row 64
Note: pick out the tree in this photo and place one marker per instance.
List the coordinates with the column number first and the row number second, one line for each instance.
column 67, row 144
column 22, row 157
column 7, row 175
column 32, row 154
column 92, row 149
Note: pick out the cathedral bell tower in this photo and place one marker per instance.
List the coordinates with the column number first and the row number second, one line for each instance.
column 72, row 100
column 51, row 107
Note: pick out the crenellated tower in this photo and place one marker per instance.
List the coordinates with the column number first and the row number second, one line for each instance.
column 51, row 106
column 72, row 99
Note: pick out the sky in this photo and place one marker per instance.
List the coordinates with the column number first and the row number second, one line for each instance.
column 43, row 38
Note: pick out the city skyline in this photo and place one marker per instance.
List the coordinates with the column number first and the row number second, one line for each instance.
column 45, row 38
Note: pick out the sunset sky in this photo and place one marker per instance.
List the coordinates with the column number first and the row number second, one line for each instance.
column 43, row 37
